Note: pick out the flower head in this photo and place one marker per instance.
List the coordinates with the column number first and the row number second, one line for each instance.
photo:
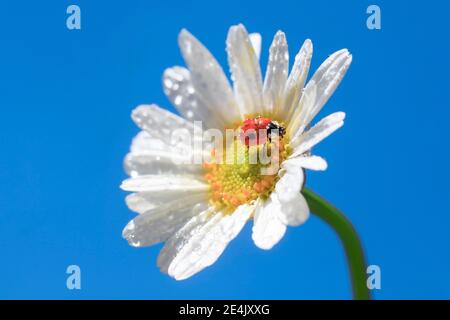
column 197, row 200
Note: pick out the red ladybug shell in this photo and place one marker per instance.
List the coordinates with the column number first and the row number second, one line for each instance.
column 254, row 125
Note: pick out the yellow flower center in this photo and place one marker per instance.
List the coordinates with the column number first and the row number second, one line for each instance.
column 242, row 173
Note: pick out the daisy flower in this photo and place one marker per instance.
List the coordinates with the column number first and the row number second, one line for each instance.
column 196, row 209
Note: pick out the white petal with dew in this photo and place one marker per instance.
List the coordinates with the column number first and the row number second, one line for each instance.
column 256, row 39
column 201, row 241
column 267, row 228
column 308, row 162
column 325, row 81
column 297, row 122
column 159, row 162
column 151, row 155
column 143, row 201
column 208, row 78
column 317, row 133
column 293, row 212
column 245, row 71
column 143, row 143
column 290, row 183
column 159, row 182
column 296, row 80
column 178, row 87
column 162, row 124
column 161, row 222
column 276, row 74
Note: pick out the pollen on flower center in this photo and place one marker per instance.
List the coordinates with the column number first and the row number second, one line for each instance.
column 242, row 172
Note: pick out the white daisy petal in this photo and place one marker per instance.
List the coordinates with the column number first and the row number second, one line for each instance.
column 161, row 124
column 276, row 73
column 298, row 120
column 208, row 79
column 178, row 87
column 163, row 183
column 307, row 162
column 144, row 201
column 161, row 222
column 317, row 133
column 150, row 155
column 137, row 202
column 267, row 227
column 325, row 80
column 245, row 70
column 193, row 232
column 159, row 162
column 255, row 39
column 290, row 183
column 201, row 241
column 293, row 212
column 296, row 80
column 143, row 142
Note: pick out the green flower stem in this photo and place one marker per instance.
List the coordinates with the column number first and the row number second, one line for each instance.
column 349, row 238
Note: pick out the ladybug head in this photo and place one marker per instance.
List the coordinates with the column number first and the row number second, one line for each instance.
column 273, row 125
column 251, row 129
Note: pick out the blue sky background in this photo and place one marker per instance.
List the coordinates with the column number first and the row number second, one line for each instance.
column 66, row 98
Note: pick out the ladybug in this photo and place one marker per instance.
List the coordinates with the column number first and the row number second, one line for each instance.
column 257, row 124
